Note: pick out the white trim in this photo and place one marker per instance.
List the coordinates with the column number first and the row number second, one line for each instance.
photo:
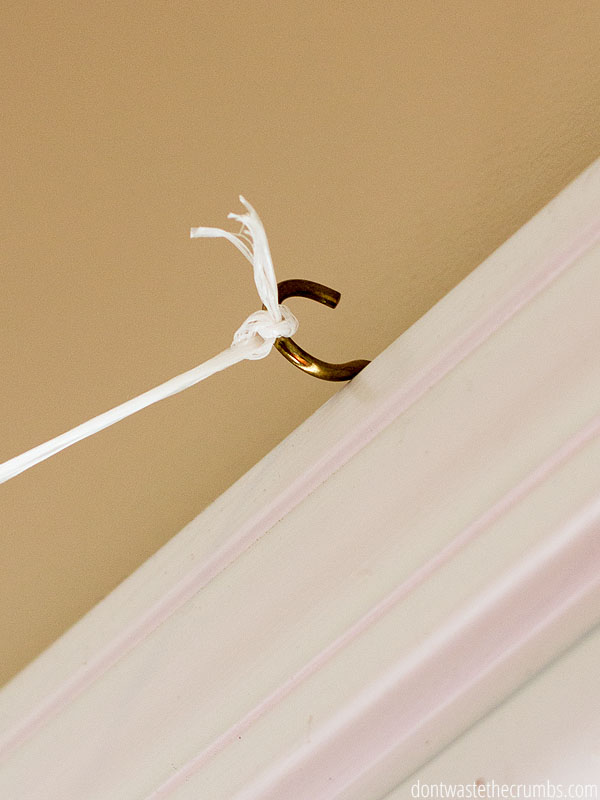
column 387, row 547
column 548, row 731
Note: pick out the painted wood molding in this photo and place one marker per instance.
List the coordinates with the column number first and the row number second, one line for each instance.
column 423, row 544
column 546, row 732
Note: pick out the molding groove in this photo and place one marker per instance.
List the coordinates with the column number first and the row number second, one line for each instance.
column 589, row 522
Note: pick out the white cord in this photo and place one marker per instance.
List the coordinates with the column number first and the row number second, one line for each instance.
column 253, row 339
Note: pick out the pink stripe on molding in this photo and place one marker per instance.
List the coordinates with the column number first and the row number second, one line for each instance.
column 481, row 524
column 477, row 642
column 254, row 528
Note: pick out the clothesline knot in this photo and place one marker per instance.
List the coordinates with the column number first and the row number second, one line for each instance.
column 264, row 329
column 254, row 339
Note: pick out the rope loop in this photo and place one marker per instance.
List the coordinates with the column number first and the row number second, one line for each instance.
column 261, row 324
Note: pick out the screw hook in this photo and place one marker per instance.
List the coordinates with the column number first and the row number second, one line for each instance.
column 299, row 357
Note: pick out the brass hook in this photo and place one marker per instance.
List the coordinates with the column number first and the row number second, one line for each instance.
column 299, row 357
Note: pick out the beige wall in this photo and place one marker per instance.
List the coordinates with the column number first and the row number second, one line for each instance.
column 389, row 148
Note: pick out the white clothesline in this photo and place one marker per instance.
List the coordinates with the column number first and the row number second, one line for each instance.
column 253, row 339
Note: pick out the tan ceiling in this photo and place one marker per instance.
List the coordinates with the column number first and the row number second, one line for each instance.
column 389, row 148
